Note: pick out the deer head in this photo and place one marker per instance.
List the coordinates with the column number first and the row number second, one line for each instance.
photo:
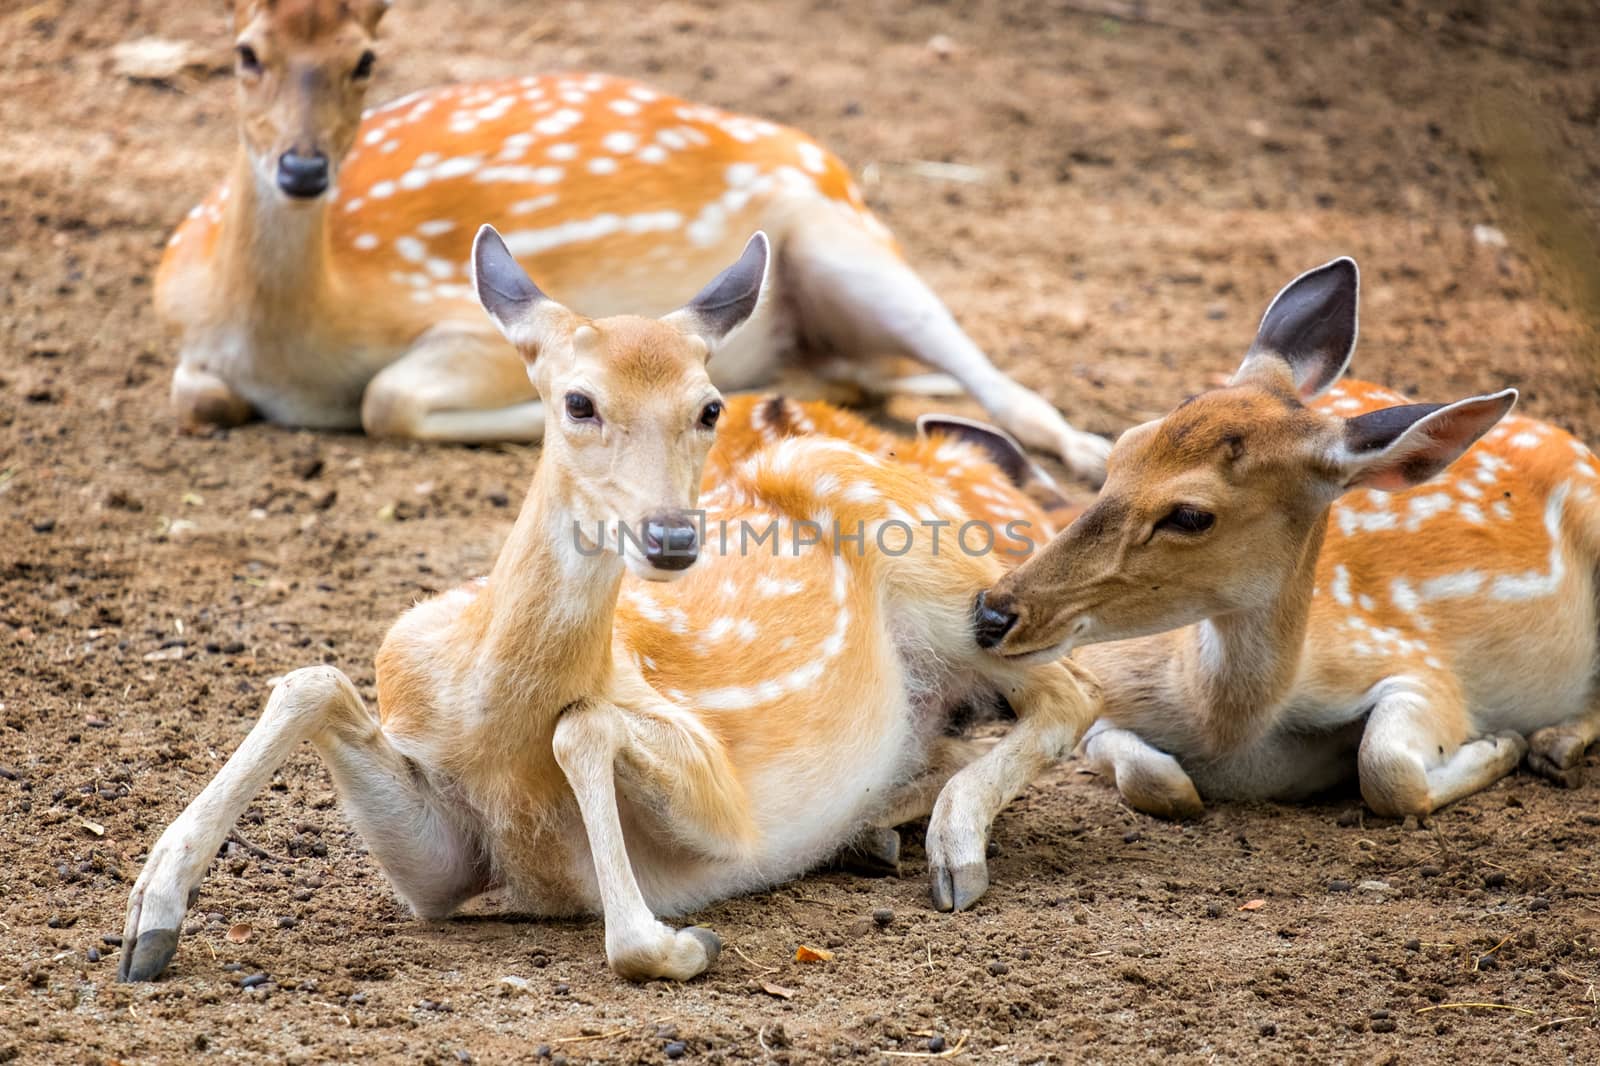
column 303, row 69
column 631, row 410
column 1211, row 509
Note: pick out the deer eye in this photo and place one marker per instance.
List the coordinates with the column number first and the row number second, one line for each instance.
column 1187, row 520
column 249, row 62
column 369, row 59
column 710, row 413
column 579, row 407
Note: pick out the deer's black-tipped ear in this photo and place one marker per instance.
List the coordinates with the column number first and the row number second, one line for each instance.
column 1311, row 327
column 1398, row 448
column 504, row 288
column 722, row 306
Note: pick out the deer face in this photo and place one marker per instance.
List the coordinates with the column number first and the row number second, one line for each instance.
column 1209, row 510
column 303, row 68
column 631, row 411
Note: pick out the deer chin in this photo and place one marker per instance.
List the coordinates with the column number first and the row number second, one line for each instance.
column 1077, row 630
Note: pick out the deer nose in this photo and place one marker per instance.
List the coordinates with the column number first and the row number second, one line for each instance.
column 671, row 541
column 990, row 624
column 303, row 176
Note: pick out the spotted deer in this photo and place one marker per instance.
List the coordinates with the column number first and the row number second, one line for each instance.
column 596, row 742
column 325, row 283
column 1291, row 577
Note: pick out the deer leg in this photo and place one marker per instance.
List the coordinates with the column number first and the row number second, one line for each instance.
column 1556, row 751
column 673, row 772
column 1148, row 779
column 1053, row 708
column 1415, row 753
column 428, row 858
column 875, row 851
column 455, row 384
column 860, row 296
column 202, row 398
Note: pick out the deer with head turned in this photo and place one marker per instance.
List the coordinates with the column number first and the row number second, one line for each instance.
column 1294, row 577
column 325, row 282
column 602, row 726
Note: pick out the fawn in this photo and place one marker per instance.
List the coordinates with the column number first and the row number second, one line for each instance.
column 639, row 747
column 1343, row 602
column 325, row 283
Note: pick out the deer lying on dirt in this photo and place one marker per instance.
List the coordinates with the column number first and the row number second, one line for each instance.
column 324, row 283
column 641, row 748
column 1337, row 589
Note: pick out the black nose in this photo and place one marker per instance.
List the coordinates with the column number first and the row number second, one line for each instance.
column 990, row 625
column 303, row 176
column 671, row 541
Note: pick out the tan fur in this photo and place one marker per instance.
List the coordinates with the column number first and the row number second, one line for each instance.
column 597, row 742
column 356, row 308
column 1322, row 625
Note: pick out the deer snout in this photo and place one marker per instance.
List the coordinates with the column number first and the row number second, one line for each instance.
column 671, row 541
column 992, row 619
column 303, row 177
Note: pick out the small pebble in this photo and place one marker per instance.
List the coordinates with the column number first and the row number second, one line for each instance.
column 1378, row 1015
column 111, row 941
column 1132, row 836
column 1412, row 945
column 1339, row 886
column 232, row 967
column 936, row 1044
column 287, row 922
column 253, row 980
column 562, row 989
column 94, row 954
column 1384, row 1025
column 676, row 1049
column 1538, row 903
column 542, row 1051
column 1213, row 909
column 999, row 969
column 1351, row 817
column 1269, row 1029
column 463, row 1055
column 1430, row 871
column 1494, row 880
column 883, row 916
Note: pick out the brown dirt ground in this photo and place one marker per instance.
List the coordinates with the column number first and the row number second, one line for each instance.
column 1151, row 185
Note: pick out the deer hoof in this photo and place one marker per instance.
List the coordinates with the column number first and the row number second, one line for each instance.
column 875, row 852
column 147, row 955
column 959, row 888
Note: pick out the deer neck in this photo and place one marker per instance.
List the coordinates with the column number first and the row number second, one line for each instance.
column 1241, row 667
column 273, row 255
column 547, row 613
column 1213, row 687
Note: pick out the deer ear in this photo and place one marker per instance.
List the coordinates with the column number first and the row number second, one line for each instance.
column 1310, row 327
column 504, row 288
column 1398, row 448
column 722, row 306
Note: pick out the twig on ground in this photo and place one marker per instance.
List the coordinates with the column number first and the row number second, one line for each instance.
column 592, row 1036
column 1476, row 1006
column 753, row 962
column 948, row 1053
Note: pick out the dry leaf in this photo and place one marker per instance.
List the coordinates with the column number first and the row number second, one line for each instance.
column 94, row 827
column 1254, row 905
column 777, row 990
column 239, row 932
column 806, row 954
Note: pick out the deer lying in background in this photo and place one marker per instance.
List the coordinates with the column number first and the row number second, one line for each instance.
column 640, row 748
column 325, row 282
column 1335, row 586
